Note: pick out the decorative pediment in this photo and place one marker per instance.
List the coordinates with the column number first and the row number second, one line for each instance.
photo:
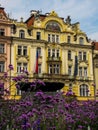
column 22, row 58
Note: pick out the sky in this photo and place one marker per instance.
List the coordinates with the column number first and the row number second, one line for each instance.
column 83, row 11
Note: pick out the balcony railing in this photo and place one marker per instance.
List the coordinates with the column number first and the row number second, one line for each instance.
column 51, row 76
column 84, row 78
column 54, row 58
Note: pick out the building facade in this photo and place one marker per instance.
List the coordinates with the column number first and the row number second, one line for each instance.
column 95, row 62
column 5, row 43
column 49, row 48
column 64, row 52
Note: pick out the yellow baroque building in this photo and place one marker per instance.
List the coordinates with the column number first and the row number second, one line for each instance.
column 64, row 53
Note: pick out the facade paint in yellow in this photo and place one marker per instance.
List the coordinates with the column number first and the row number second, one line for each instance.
column 55, row 33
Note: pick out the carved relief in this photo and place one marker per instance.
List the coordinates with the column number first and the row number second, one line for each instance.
column 3, row 57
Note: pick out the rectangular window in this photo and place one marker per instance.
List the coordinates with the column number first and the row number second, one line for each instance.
column 68, row 39
column 2, row 66
column 2, row 32
column 53, row 53
column 18, row 92
column 53, row 38
column 49, row 38
column 57, row 53
column 57, row 38
column 69, row 70
column 25, row 67
column 19, row 67
column 54, row 69
column 39, row 68
column 57, row 69
column 80, row 55
column 50, row 69
column 69, row 55
column 38, row 36
column 22, row 50
column 80, row 71
column 19, row 50
column 21, row 34
column 22, row 67
column 84, row 56
column 25, row 50
column 85, row 71
column 81, row 41
column 49, row 53
column 1, row 48
column 39, row 51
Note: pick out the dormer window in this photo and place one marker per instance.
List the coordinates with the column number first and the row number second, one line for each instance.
column 2, row 32
column 69, row 39
column 22, row 34
column 81, row 40
column 38, row 35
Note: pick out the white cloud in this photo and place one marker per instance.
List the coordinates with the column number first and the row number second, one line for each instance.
column 83, row 11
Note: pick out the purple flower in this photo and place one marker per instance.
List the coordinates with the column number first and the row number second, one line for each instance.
column 17, row 86
column 11, row 67
column 1, row 85
column 5, row 75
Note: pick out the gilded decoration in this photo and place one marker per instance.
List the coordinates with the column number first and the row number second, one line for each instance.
column 53, row 13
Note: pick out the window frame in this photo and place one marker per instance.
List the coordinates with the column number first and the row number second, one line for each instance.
column 2, row 66
column 21, row 34
column 2, row 48
column 21, row 68
column 81, row 40
column 2, row 32
column 22, row 50
column 68, row 39
column 69, row 55
column 83, row 90
column 69, row 70
column 38, row 35
column 54, row 68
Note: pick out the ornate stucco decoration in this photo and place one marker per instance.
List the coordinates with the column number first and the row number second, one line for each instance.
column 53, row 13
column 22, row 58
column 3, row 57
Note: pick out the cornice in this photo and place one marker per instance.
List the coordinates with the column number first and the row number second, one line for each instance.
column 76, row 45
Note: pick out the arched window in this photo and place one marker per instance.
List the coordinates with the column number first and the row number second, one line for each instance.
column 81, row 40
column 53, row 26
column 84, row 90
column 22, row 34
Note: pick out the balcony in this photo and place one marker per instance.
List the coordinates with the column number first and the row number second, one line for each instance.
column 51, row 77
column 84, row 78
column 71, row 77
column 54, row 59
